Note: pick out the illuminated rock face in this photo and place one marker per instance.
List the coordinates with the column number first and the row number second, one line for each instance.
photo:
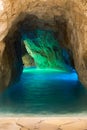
column 67, row 17
column 44, row 49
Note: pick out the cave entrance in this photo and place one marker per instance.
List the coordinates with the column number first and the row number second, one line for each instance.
column 33, row 42
column 52, row 89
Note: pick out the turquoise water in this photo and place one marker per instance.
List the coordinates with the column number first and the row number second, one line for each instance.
column 45, row 92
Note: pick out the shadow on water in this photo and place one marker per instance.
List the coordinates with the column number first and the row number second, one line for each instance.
column 44, row 93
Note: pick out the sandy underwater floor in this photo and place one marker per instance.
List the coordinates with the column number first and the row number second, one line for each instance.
column 43, row 123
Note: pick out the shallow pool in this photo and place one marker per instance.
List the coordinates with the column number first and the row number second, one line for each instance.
column 44, row 92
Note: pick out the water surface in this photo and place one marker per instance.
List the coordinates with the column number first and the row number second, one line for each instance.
column 48, row 92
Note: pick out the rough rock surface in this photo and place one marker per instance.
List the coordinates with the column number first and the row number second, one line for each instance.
column 28, row 60
column 67, row 17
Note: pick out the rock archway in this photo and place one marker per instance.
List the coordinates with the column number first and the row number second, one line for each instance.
column 67, row 18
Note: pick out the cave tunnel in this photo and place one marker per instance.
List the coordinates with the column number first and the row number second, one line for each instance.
column 37, row 43
column 42, row 73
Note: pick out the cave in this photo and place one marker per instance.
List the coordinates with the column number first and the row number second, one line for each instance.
column 43, row 57
column 39, row 68
column 46, row 48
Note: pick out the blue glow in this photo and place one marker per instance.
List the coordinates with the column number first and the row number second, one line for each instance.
column 44, row 91
column 44, row 49
column 52, row 73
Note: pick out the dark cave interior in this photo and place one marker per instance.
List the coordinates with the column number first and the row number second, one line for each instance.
column 35, row 42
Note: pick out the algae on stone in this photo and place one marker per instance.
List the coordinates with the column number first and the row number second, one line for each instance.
column 45, row 49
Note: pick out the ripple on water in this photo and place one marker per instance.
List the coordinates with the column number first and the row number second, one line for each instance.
column 44, row 92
